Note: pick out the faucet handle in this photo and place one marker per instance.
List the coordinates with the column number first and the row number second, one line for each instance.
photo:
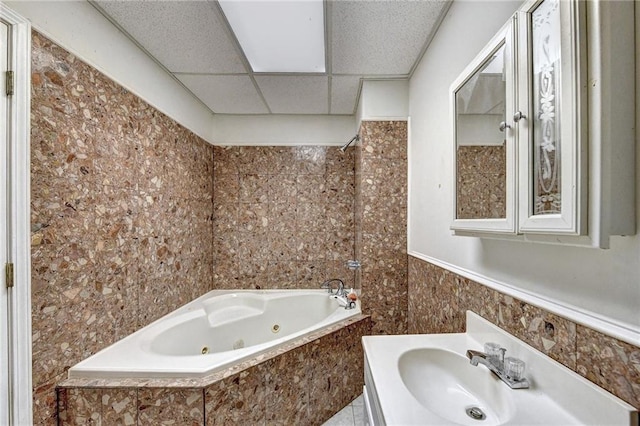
column 495, row 353
column 514, row 368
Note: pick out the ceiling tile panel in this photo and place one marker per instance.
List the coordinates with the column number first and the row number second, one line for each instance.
column 344, row 91
column 226, row 94
column 381, row 37
column 295, row 94
column 185, row 36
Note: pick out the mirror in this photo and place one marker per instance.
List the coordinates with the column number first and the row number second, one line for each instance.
column 480, row 142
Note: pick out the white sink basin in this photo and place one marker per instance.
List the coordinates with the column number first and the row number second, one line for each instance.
column 446, row 384
column 428, row 380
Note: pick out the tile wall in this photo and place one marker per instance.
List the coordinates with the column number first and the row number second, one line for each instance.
column 439, row 299
column 381, row 223
column 481, row 174
column 121, row 215
column 284, row 216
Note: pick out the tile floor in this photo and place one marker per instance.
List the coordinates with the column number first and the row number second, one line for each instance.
column 351, row 415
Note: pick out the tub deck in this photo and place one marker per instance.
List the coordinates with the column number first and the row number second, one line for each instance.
column 305, row 381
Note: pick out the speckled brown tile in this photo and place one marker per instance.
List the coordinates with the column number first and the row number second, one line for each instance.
column 338, row 268
column 311, row 246
column 550, row 334
column 340, row 213
column 326, row 378
column 311, row 273
column 609, row 363
column 226, row 188
column 112, row 218
column 237, row 399
column 339, row 245
column 481, row 185
column 170, row 406
column 384, row 251
column 286, row 398
column 120, row 406
column 283, row 189
column 80, row 406
column 282, row 218
column 283, row 274
column 283, row 246
column 253, row 217
column 380, row 221
column 281, row 206
column 384, row 139
column 226, row 160
column 376, row 212
column 254, row 188
column 436, row 308
column 311, row 217
column 340, row 162
column 311, row 159
column 480, row 299
column 45, row 404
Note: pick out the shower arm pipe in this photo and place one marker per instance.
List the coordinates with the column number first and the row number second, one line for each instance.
column 344, row 147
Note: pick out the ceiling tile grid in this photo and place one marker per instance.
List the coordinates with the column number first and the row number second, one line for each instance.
column 194, row 42
column 226, row 94
column 381, row 37
column 344, row 93
column 295, row 94
column 184, row 36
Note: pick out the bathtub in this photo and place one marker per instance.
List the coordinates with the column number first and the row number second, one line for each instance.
column 214, row 332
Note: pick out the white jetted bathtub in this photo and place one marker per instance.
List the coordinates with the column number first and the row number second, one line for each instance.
column 215, row 331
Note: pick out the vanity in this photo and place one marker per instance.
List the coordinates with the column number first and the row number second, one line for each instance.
column 429, row 380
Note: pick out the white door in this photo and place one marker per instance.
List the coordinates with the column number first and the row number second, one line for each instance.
column 15, row 303
column 4, row 227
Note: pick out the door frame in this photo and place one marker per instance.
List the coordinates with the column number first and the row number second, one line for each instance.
column 20, row 402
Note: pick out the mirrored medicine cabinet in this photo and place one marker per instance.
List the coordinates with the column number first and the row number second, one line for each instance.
column 526, row 121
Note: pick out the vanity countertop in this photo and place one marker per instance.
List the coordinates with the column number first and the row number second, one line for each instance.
column 427, row 379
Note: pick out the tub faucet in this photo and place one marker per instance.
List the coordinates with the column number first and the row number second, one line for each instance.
column 497, row 368
column 340, row 295
column 344, row 301
column 327, row 285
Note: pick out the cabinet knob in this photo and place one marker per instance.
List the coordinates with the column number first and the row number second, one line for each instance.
column 518, row 116
column 503, row 126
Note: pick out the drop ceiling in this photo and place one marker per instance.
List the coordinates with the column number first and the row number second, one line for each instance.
column 193, row 41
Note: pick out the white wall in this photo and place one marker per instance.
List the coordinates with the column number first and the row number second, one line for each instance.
column 383, row 100
column 600, row 288
column 283, row 129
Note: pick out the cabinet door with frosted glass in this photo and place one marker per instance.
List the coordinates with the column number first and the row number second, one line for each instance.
column 550, row 117
column 484, row 140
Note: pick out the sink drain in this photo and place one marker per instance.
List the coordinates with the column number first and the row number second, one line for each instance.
column 476, row 413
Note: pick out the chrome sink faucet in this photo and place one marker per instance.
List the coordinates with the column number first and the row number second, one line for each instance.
column 496, row 364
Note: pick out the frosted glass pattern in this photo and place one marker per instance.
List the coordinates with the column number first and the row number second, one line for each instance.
column 546, row 103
